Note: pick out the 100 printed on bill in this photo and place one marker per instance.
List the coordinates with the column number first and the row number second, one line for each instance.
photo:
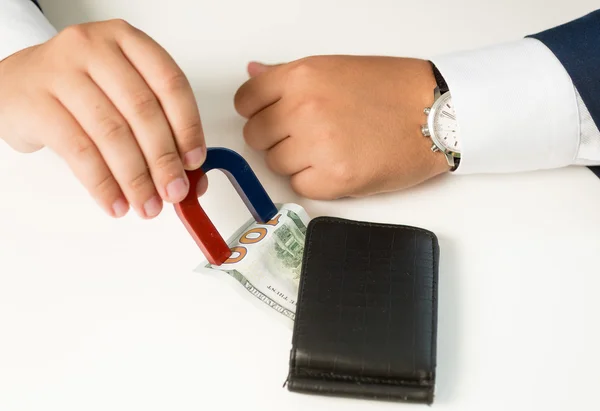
column 266, row 260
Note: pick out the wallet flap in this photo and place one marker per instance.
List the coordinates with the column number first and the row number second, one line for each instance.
column 367, row 311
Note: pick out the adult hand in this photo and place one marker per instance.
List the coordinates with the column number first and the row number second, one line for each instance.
column 115, row 106
column 342, row 126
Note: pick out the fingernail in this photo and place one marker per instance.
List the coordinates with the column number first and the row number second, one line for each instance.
column 152, row 207
column 120, row 207
column 194, row 158
column 177, row 189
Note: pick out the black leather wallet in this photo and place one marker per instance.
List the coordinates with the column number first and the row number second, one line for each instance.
column 366, row 316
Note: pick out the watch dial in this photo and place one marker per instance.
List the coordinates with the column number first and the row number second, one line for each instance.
column 445, row 126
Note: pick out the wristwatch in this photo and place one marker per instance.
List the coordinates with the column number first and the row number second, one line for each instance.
column 441, row 125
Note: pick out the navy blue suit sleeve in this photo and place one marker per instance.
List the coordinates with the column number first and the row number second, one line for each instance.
column 576, row 45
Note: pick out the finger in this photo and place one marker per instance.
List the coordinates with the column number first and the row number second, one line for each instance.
column 256, row 68
column 173, row 91
column 114, row 139
column 63, row 135
column 260, row 91
column 267, row 127
column 202, row 186
column 132, row 97
column 309, row 183
column 288, row 157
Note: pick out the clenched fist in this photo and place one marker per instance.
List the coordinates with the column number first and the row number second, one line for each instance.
column 342, row 126
column 115, row 106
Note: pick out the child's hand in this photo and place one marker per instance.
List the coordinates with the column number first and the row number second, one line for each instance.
column 115, row 106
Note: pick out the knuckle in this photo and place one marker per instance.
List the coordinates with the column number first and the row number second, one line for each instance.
column 174, row 82
column 328, row 134
column 140, row 182
column 144, row 103
column 167, row 160
column 119, row 24
column 81, row 147
column 309, row 106
column 105, row 187
column 302, row 71
column 76, row 34
column 113, row 129
column 342, row 172
column 190, row 134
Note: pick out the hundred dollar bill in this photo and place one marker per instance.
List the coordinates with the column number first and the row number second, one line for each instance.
column 266, row 260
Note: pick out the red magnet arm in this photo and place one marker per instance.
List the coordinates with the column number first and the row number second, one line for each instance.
column 198, row 224
column 246, row 184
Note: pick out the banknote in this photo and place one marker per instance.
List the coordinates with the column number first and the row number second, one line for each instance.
column 266, row 261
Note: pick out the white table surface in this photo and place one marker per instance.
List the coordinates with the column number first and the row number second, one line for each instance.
column 102, row 314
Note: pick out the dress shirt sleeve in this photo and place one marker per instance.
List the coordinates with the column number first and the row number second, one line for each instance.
column 517, row 110
column 22, row 25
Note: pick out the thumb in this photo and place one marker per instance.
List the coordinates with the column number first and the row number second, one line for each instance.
column 255, row 68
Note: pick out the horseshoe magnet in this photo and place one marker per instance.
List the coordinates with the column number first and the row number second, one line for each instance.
column 241, row 176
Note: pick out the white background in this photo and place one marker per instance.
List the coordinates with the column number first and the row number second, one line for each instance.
column 102, row 314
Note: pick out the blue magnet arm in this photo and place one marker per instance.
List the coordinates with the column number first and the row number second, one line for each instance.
column 243, row 179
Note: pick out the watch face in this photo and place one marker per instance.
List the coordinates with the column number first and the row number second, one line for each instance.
column 445, row 127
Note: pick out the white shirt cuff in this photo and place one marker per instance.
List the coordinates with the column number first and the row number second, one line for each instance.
column 589, row 140
column 22, row 25
column 515, row 105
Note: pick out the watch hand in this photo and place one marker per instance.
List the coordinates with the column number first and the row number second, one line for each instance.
column 445, row 113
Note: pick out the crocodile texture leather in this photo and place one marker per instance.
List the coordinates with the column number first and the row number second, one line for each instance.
column 366, row 317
